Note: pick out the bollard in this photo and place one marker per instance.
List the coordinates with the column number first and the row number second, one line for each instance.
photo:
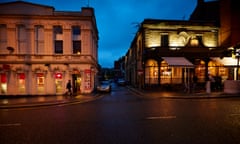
column 208, row 87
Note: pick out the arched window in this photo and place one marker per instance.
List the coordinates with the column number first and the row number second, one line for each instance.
column 151, row 72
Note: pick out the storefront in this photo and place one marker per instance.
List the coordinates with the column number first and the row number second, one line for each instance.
column 58, row 82
column 40, row 83
column 21, row 83
column 76, row 80
column 3, row 83
column 171, row 70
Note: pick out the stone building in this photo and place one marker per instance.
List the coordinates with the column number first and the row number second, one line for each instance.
column 173, row 52
column 167, row 52
column 41, row 49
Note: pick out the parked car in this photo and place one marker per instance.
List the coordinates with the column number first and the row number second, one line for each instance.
column 104, row 86
column 121, row 82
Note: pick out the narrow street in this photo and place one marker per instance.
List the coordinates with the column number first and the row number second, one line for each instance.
column 124, row 118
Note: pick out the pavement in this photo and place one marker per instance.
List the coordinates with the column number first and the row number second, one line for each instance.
column 180, row 94
column 9, row 102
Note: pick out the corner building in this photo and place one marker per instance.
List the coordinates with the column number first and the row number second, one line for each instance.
column 41, row 49
column 172, row 52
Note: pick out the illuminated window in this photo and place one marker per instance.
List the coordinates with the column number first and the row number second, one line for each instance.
column 21, row 82
column 40, row 83
column 58, row 82
column 151, row 72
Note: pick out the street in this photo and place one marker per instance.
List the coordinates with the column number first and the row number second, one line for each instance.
column 122, row 117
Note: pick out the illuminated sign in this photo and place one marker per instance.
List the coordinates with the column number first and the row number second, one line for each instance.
column 58, row 75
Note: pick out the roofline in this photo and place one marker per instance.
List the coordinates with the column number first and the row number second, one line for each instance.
column 180, row 22
column 4, row 3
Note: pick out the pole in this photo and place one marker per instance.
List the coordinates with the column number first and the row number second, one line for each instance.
column 237, row 66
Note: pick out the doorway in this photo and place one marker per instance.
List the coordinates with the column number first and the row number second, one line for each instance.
column 76, row 84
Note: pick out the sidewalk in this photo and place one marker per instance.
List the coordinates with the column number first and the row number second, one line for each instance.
column 153, row 93
column 35, row 101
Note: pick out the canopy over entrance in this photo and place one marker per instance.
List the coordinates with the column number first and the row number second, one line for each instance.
column 178, row 62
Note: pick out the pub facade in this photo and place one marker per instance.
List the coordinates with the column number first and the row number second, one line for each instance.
column 172, row 52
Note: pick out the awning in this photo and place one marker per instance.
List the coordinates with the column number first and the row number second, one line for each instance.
column 178, row 62
column 226, row 61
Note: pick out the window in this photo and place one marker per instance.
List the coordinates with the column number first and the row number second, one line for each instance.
column 39, row 39
column 58, row 33
column 3, row 39
column 21, row 38
column 57, row 29
column 164, row 40
column 58, row 46
column 77, row 47
column 76, row 30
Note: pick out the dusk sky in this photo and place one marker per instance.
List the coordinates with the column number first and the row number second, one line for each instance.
column 117, row 19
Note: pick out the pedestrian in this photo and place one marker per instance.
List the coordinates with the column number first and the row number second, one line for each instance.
column 69, row 88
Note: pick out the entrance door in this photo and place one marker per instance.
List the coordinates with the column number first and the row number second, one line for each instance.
column 76, row 83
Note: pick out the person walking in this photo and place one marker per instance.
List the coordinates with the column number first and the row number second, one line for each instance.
column 69, row 88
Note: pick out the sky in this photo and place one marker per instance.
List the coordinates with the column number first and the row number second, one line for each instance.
column 117, row 20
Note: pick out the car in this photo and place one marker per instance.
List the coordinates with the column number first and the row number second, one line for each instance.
column 104, row 86
column 121, row 82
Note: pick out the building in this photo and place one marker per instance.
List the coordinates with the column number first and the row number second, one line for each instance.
column 119, row 68
column 41, row 49
column 173, row 52
column 167, row 52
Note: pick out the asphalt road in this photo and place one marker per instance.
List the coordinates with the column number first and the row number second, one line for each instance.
column 123, row 118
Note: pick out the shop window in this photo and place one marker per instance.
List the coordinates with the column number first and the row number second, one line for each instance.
column 40, row 83
column 200, row 70
column 21, row 82
column 166, row 73
column 58, row 82
column 151, row 72
column 3, row 83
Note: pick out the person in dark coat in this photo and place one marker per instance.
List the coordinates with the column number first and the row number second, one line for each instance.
column 69, row 87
